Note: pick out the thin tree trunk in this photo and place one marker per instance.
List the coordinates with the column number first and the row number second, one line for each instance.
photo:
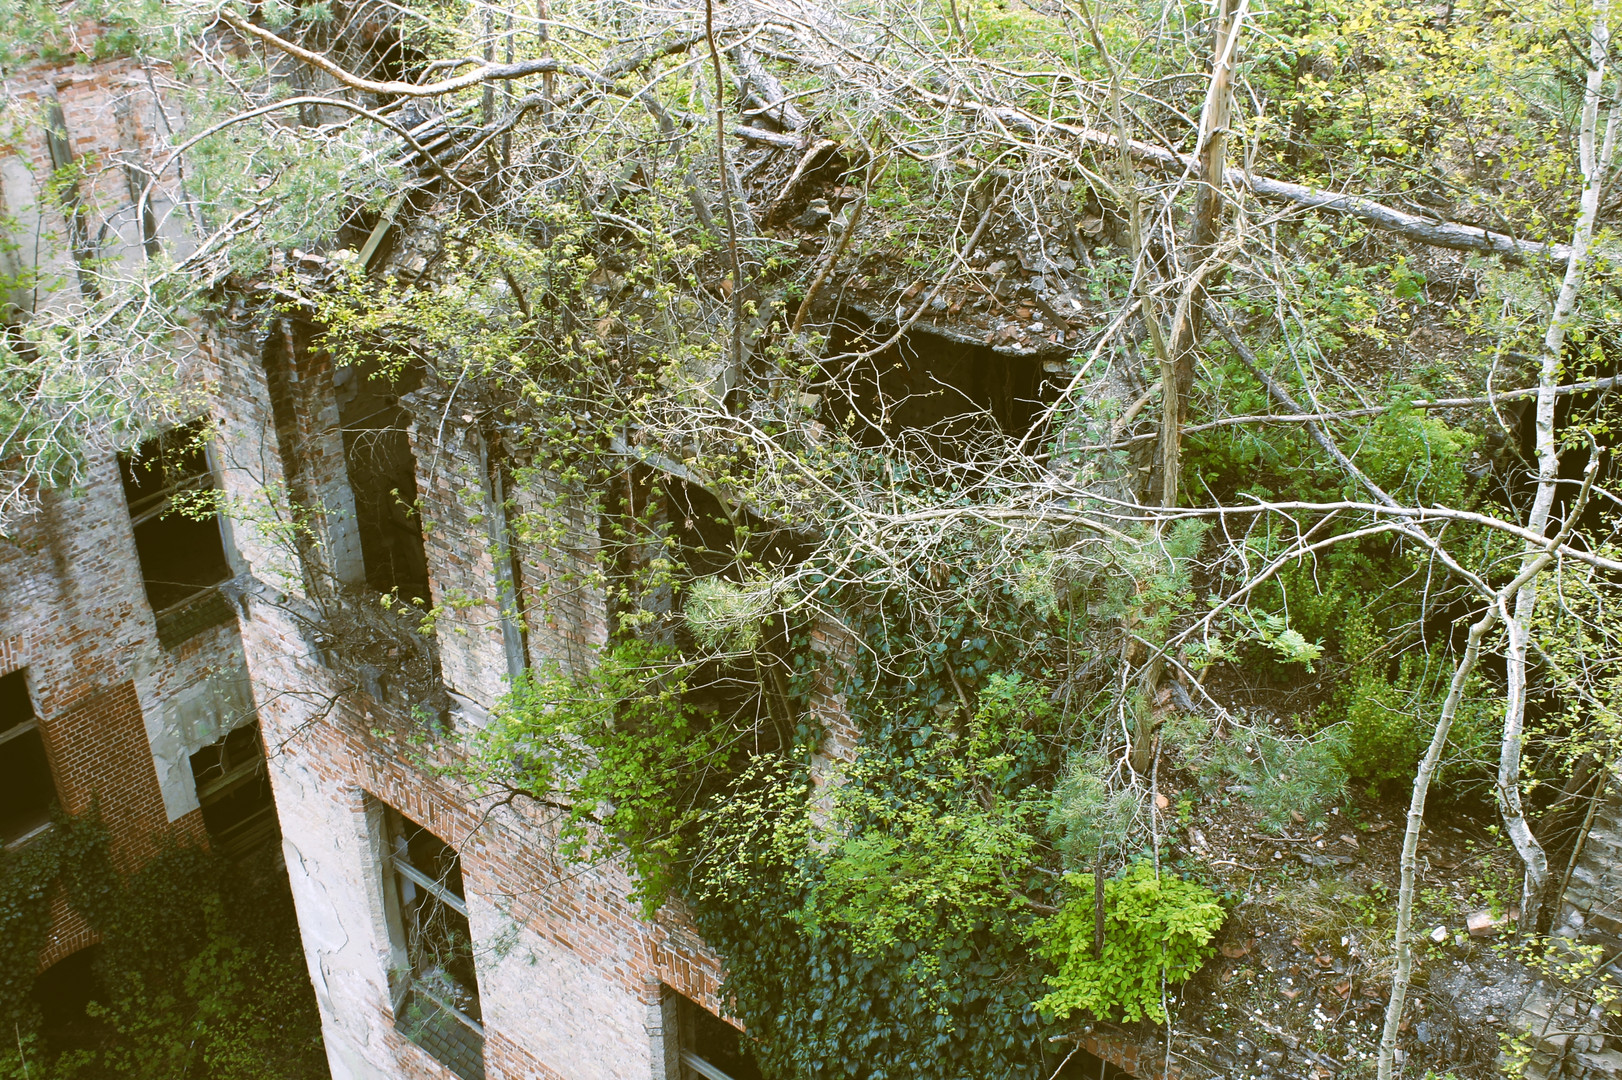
column 1594, row 167
column 1177, row 366
column 1098, row 903
column 1427, row 769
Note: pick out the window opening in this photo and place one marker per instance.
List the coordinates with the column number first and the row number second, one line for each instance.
column 927, row 385
column 660, row 535
column 508, row 566
column 26, row 787
column 434, row 984
column 182, row 556
column 383, row 476
column 73, row 207
column 711, row 1048
column 63, row 993
column 233, row 789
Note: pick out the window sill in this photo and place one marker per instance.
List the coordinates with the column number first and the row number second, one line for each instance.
column 446, row 1033
column 28, row 837
column 203, row 610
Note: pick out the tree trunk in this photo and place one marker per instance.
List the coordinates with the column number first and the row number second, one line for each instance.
column 1433, row 756
column 1177, row 366
column 1595, row 162
column 1410, row 841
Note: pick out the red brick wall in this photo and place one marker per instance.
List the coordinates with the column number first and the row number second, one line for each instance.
column 68, row 934
column 101, row 759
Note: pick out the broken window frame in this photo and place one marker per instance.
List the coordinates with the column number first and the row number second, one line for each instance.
column 405, row 984
column 259, row 827
column 10, row 743
column 154, row 505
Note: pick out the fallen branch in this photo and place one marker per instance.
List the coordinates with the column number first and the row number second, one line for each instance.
column 821, row 147
column 1444, row 234
column 1418, row 404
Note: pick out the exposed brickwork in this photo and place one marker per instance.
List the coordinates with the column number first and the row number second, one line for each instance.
column 102, row 761
column 452, row 484
column 571, row 975
column 114, row 117
column 558, row 546
column 837, row 645
column 68, row 934
column 1145, row 1060
column 73, row 609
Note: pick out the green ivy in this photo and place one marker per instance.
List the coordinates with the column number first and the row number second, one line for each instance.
column 202, row 972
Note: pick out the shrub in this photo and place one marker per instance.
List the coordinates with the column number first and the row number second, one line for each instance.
column 1389, row 724
column 1284, row 778
column 1152, row 923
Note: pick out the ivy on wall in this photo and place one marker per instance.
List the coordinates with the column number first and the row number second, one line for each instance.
column 901, row 921
column 200, row 972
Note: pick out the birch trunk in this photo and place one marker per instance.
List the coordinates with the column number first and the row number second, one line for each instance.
column 1594, row 166
column 1540, row 560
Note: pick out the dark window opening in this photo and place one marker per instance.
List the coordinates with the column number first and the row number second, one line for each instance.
column 711, row 540
column 182, row 554
column 661, row 535
column 27, row 790
column 63, row 993
column 233, row 789
column 434, row 983
column 60, row 147
column 383, row 476
column 926, row 385
column 711, row 1048
column 287, row 339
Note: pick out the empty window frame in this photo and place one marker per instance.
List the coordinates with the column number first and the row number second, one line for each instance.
column 433, row 982
column 233, row 789
column 661, row 536
column 182, row 555
column 383, row 475
column 927, row 390
column 26, row 788
column 710, row 1048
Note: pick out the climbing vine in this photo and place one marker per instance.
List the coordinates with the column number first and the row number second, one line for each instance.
column 199, row 971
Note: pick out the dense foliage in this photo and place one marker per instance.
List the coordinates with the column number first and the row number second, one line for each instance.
column 1158, row 930
column 199, row 972
column 1229, row 540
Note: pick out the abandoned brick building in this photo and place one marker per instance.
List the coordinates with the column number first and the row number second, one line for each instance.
column 214, row 677
column 161, row 668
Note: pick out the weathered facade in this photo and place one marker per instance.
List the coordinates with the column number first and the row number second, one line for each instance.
column 134, row 641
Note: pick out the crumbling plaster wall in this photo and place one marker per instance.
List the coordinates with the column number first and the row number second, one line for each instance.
column 119, row 714
column 74, row 614
column 569, row 973
column 115, row 113
column 72, row 601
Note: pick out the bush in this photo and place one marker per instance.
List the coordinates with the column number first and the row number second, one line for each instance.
column 1284, row 778
column 202, row 973
column 1389, row 723
column 1151, row 924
